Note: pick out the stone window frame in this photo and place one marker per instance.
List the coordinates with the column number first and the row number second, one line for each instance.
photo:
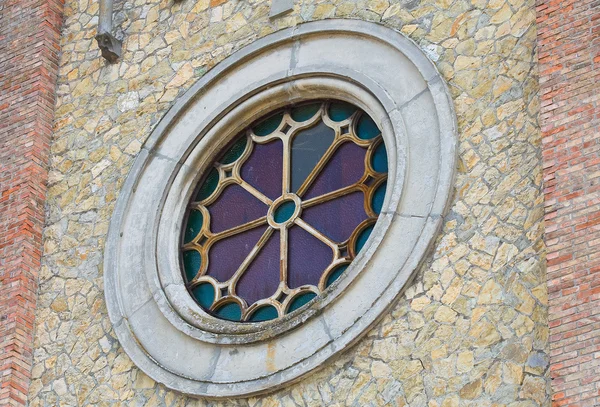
column 162, row 329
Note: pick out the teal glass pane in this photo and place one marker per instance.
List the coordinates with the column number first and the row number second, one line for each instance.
column 362, row 238
column 300, row 300
column 265, row 313
column 193, row 226
column 235, row 152
column 204, row 295
column 366, row 128
column 305, row 112
column 339, row 111
column 268, row 126
column 335, row 274
column 191, row 264
column 284, row 211
column 378, row 196
column 379, row 159
column 209, row 185
column 230, row 311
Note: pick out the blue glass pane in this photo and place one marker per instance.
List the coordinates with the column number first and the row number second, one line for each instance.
column 191, row 264
column 265, row 313
column 204, row 295
column 209, row 185
column 366, row 128
column 230, row 311
column 235, row 152
column 362, row 238
column 194, row 225
column 379, row 159
column 300, row 300
column 308, row 147
column 284, row 211
column 339, row 111
column 305, row 112
column 378, row 196
column 268, row 126
column 335, row 274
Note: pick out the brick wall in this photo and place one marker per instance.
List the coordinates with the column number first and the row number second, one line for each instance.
column 569, row 53
column 29, row 47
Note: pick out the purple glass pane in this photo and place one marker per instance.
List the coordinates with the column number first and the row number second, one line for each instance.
column 337, row 218
column 235, row 206
column 264, row 168
column 226, row 256
column 261, row 278
column 345, row 167
column 308, row 258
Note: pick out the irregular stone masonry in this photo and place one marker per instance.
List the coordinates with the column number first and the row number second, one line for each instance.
column 471, row 329
column 569, row 41
column 29, row 44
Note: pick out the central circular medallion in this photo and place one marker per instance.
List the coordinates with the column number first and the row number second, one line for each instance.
column 284, row 210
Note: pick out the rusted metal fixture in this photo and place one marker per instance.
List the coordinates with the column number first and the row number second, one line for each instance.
column 109, row 45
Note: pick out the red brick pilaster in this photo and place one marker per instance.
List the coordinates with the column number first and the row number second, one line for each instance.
column 569, row 52
column 29, row 48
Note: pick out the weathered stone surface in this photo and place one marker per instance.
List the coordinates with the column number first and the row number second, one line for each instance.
column 471, row 328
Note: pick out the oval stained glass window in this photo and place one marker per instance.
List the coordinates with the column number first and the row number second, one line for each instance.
column 283, row 211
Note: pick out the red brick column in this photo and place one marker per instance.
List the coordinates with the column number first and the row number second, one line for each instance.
column 29, row 48
column 569, row 53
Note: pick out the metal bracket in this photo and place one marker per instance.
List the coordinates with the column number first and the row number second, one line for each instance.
column 108, row 44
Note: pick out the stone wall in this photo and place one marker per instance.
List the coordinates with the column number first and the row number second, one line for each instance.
column 472, row 328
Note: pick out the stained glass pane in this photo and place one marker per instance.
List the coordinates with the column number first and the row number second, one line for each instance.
column 194, row 225
column 265, row 313
column 268, row 125
column 366, row 128
column 379, row 159
column 362, row 238
column 284, row 211
column 204, row 294
column 230, row 311
column 227, row 255
column 264, row 168
column 308, row 258
column 235, row 206
column 378, row 197
column 275, row 226
column 307, row 149
column 339, row 111
column 191, row 264
column 305, row 112
column 301, row 300
column 335, row 274
column 337, row 218
column 345, row 168
column 261, row 278
column 209, row 185
column 235, row 152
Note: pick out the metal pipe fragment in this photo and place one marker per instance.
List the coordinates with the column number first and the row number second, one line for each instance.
column 109, row 45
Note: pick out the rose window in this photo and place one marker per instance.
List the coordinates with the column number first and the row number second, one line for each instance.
column 283, row 211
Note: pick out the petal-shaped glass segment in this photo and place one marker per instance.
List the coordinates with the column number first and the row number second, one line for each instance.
column 261, row 278
column 283, row 211
column 308, row 258
column 308, row 147
column 346, row 167
column 264, row 168
column 235, row 206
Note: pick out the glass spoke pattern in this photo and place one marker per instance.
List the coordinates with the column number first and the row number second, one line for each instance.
column 285, row 209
